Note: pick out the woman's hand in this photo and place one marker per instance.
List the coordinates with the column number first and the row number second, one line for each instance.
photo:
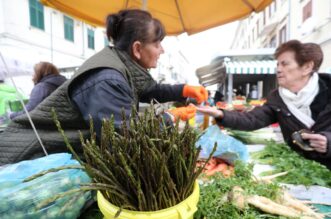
column 211, row 111
column 197, row 92
column 183, row 113
column 317, row 141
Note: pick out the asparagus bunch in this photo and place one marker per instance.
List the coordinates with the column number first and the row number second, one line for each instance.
column 146, row 166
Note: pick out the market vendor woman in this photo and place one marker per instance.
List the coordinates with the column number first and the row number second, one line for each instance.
column 301, row 102
column 113, row 79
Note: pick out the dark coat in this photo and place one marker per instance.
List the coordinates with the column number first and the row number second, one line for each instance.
column 275, row 110
column 40, row 91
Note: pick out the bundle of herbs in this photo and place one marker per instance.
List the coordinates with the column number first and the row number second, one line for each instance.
column 301, row 171
column 146, row 166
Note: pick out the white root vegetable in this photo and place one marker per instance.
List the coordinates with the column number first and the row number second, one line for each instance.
column 288, row 200
column 237, row 197
column 272, row 207
column 270, row 177
column 293, row 207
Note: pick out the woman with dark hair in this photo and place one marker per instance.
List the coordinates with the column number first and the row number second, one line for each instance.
column 121, row 77
column 301, row 104
column 113, row 79
column 46, row 79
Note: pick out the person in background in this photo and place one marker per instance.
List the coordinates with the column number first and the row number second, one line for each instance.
column 210, row 100
column 301, row 102
column 218, row 97
column 253, row 94
column 240, row 91
column 112, row 80
column 46, row 79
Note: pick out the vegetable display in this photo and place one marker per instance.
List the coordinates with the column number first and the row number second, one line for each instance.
column 242, row 196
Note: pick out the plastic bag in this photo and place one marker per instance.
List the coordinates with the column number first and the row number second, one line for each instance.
column 20, row 199
column 228, row 149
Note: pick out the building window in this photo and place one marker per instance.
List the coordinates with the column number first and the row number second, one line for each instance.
column 307, row 11
column 275, row 5
column 282, row 35
column 90, row 38
column 272, row 9
column 36, row 14
column 242, row 32
column 257, row 28
column 68, row 28
column 249, row 43
column 272, row 42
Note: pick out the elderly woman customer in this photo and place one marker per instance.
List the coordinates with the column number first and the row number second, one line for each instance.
column 302, row 101
column 113, row 79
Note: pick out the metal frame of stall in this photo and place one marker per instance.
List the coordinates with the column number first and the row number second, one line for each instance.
column 222, row 69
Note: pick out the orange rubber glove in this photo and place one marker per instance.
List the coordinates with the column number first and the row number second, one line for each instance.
column 198, row 92
column 183, row 113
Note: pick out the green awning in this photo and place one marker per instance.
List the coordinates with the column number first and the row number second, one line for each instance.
column 251, row 67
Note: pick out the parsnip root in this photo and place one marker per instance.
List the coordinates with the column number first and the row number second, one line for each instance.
column 285, row 205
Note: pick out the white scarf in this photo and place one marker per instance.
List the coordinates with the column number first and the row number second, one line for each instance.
column 299, row 104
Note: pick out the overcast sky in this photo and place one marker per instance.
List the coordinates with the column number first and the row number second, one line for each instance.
column 202, row 47
column 199, row 49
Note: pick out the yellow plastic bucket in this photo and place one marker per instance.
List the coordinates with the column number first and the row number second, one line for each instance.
column 183, row 210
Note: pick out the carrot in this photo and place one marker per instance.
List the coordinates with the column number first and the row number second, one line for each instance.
column 199, row 163
column 219, row 160
column 213, row 161
column 217, row 165
column 219, row 168
column 222, row 167
column 227, row 173
column 211, row 164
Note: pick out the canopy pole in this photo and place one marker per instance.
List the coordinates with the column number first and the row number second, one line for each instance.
column 22, row 102
column 230, row 87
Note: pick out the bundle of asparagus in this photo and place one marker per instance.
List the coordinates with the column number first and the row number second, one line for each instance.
column 149, row 167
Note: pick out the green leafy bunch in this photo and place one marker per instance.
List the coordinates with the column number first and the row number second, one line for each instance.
column 301, row 171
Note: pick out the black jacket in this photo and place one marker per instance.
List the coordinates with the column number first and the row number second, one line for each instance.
column 40, row 91
column 275, row 110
